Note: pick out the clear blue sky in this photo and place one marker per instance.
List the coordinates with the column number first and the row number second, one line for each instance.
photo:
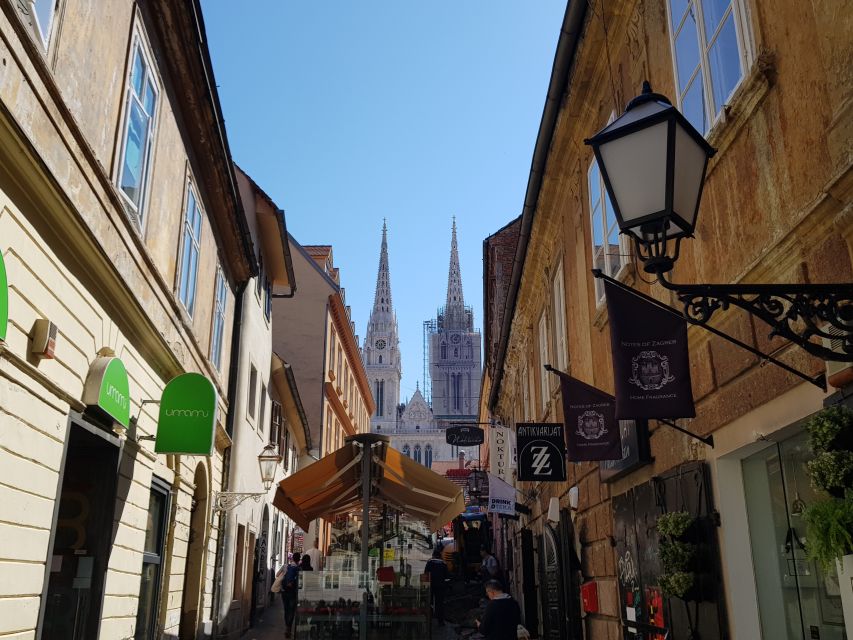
column 348, row 111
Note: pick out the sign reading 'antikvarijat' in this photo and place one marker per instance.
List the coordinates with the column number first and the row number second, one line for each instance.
column 541, row 452
column 592, row 430
column 651, row 365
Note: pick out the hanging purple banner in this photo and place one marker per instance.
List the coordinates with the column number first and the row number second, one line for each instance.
column 592, row 430
column 651, row 365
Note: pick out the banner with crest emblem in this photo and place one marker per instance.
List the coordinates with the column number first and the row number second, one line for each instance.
column 592, row 430
column 651, row 364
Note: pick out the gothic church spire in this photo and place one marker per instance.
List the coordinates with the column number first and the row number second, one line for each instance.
column 454, row 275
column 382, row 297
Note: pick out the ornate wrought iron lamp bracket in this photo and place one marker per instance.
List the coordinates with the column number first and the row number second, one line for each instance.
column 796, row 312
column 227, row 500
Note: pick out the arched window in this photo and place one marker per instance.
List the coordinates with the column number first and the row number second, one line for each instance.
column 428, row 456
column 443, row 351
column 380, row 359
column 455, row 352
column 379, row 396
column 407, row 451
column 417, row 453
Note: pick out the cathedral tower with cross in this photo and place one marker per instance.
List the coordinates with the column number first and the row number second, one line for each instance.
column 381, row 352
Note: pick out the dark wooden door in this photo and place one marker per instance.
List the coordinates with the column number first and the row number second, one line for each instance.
column 646, row 614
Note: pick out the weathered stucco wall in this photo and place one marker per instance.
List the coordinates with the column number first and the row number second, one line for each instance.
column 776, row 208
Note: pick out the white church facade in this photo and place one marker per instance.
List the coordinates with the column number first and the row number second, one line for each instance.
column 415, row 428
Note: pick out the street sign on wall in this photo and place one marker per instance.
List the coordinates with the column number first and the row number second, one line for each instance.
column 108, row 390
column 464, row 436
column 541, row 452
column 187, row 416
column 500, row 454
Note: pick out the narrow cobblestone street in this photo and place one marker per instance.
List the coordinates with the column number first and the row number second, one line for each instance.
column 270, row 626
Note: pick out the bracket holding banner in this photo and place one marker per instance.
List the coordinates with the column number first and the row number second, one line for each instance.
column 819, row 380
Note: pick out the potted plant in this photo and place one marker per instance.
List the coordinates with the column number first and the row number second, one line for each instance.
column 676, row 555
column 829, row 522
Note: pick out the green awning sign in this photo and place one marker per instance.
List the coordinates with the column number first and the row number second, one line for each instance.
column 187, row 416
column 4, row 299
column 107, row 389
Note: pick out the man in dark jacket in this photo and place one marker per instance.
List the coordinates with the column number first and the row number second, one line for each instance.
column 438, row 574
column 290, row 593
column 502, row 616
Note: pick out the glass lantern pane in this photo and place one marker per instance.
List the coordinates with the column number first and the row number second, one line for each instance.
column 636, row 167
column 724, row 60
column 690, row 160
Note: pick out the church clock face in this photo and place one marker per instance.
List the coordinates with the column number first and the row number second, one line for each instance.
column 455, row 338
column 380, row 344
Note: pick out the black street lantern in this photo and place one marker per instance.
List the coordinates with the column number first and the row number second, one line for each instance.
column 478, row 482
column 653, row 162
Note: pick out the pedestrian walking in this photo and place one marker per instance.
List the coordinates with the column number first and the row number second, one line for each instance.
column 305, row 564
column 290, row 593
column 438, row 575
column 502, row 616
column 489, row 569
column 314, row 554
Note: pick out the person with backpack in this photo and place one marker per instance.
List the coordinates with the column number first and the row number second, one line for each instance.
column 290, row 592
column 438, row 574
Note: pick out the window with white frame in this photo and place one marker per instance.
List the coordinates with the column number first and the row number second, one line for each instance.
column 138, row 131
column 525, row 392
column 252, row 398
column 262, row 402
column 220, row 293
column 544, row 358
column 259, row 281
column 559, row 301
column 190, row 247
column 609, row 250
column 40, row 14
column 708, row 51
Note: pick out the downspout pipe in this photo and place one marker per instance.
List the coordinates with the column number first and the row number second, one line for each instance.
column 563, row 59
column 233, row 371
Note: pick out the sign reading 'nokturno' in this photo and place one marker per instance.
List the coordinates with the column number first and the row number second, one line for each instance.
column 187, row 416
column 541, row 452
column 651, row 365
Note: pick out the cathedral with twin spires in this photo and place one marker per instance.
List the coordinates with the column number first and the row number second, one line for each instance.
column 417, row 426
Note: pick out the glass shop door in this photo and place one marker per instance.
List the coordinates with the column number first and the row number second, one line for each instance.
column 797, row 600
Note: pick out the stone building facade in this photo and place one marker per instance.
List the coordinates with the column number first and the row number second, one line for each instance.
column 315, row 335
column 770, row 213
column 124, row 241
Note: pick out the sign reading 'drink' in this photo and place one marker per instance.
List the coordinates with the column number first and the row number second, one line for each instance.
column 541, row 452
column 107, row 389
column 187, row 416
column 464, row 436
